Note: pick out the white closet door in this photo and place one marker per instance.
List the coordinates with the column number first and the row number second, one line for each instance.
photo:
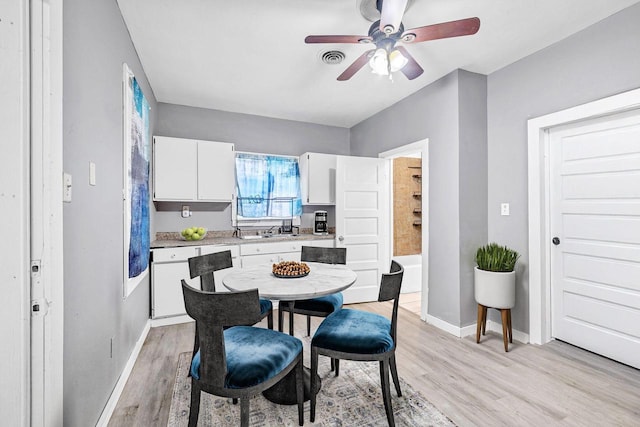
column 595, row 216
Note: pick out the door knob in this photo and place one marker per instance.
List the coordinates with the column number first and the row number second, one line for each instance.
column 555, row 241
column 341, row 238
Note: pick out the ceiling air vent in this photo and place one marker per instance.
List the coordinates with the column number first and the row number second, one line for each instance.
column 332, row 57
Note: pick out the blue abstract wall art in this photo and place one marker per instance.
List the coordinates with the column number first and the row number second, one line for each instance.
column 136, row 150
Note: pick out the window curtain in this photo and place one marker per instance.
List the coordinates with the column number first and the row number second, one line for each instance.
column 268, row 186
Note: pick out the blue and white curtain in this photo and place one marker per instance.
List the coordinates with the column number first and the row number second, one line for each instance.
column 268, row 186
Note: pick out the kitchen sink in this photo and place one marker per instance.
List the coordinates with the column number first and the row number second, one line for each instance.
column 267, row 236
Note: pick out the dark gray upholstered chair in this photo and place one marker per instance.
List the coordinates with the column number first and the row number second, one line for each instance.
column 237, row 361
column 321, row 306
column 359, row 335
column 205, row 265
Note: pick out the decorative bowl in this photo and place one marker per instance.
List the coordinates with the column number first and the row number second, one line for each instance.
column 193, row 233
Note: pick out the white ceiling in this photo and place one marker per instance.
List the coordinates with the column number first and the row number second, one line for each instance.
column 249, row 56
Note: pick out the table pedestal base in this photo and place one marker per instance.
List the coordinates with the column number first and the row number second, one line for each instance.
column 284, row 392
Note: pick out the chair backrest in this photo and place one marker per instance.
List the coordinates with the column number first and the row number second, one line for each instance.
column 390, row 290
column 205, row 265
column 214, row 311
column 324, row 255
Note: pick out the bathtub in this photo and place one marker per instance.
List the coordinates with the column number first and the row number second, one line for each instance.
column 412, row 278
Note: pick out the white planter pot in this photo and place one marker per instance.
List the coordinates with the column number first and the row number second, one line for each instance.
column 493, row 289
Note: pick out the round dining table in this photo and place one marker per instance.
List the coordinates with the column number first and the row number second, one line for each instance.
column 323, row 279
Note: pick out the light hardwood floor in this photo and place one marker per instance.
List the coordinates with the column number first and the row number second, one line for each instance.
column 474, row 384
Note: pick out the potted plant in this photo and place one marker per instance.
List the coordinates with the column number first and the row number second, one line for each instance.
column 495, row 276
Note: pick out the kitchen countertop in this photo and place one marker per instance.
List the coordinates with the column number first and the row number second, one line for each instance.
column 172, row 240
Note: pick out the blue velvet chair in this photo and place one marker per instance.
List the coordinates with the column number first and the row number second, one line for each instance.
column 321, row 306
column 233, row 360
column 360, row 335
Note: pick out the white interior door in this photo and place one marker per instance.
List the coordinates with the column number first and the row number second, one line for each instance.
column 595, row 216
column 362, row 222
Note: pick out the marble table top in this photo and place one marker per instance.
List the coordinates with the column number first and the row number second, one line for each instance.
column 323, row 279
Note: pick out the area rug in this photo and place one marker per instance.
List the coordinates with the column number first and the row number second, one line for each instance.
column 352, row 399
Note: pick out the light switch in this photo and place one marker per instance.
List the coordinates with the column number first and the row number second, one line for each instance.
column 92, row 173
column 504, row 209
column 66, row 187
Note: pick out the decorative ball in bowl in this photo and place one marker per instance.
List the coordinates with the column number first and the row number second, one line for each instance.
column 193, row 233
column 290, row 269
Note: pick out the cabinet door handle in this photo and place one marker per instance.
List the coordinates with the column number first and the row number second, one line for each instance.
column 173, row 256
column 341, row 238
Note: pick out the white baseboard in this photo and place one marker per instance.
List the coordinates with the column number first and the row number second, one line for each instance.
column 173, row 320
column 124, row 376
column 471, row 329
column 497, row 327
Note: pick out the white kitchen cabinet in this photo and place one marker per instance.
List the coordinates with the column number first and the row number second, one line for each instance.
column 270, row 253
column 318, row 178
column 189, row 170
column 169, row 267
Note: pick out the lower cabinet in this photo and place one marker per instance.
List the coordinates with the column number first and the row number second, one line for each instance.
column 271, row 253
column 170, row 266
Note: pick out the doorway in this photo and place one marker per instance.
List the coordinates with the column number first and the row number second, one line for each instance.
column 408, row 211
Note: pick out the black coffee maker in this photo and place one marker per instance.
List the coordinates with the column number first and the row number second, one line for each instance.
column 320, row 225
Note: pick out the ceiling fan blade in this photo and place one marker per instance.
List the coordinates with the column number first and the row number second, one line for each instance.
column 391, row 15
column 412, row 69
column 337, row 39
column 463, row 27
column 356, row 66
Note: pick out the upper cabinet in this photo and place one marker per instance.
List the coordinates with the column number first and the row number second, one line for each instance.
column 318, row 178
column 189, row 170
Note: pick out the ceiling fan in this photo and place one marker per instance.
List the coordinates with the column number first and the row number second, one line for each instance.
column 387, row 57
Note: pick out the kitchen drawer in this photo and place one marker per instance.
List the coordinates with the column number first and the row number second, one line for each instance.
column 271, row 248
column 174, row 254
column 211, row 249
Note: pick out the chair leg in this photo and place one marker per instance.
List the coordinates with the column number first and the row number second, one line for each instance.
column 505, row 333
column 337, row 363
column 308, row 326
column 386, row 392
column 479, row 325
column 314, row 375
column 510, row 329
column 291, row 324
column 333, row 364
column 300, row 392
column 195, row 403
column 244, row 412
column 280, row 318
column 394, row 375
column 270, row 320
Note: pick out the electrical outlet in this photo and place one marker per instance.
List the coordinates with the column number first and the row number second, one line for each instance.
column 186, row 212
column 504, row 209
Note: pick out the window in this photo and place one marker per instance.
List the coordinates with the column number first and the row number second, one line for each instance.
column 267, row 187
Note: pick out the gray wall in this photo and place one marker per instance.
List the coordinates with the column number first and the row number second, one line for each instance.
column 96, row 43
column 597, row 62
column 248, row 133
column 473, row 184
column 456, row 141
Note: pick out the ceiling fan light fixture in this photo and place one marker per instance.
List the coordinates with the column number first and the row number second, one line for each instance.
column 379, row 62
column 397, row 61
column 382, row 63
